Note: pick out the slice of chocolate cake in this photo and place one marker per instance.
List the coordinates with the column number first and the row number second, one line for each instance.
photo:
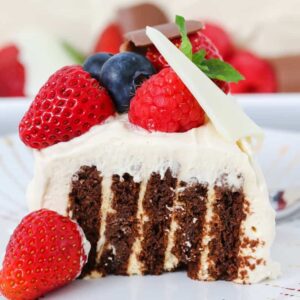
column 172, row 185
column 155, row 202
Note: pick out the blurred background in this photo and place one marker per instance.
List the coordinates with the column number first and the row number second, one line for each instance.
column 260, row 38
column 245, row 32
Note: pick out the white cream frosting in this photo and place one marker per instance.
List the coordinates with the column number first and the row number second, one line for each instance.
column 198, row 155
column 117, row 147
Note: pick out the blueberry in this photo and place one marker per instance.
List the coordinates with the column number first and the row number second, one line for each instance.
column 122, row 74
column 94, row 63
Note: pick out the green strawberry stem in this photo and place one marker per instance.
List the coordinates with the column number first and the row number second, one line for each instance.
column 214, row 68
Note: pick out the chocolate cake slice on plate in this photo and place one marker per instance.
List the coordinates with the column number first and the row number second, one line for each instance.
column 172, row 184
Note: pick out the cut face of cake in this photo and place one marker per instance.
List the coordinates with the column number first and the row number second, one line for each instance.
column 170, row 185
column 155, row 202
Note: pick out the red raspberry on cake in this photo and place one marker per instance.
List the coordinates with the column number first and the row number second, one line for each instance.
column 199, row 41
column 45, row 252
column 163, row 103
column 68, row 105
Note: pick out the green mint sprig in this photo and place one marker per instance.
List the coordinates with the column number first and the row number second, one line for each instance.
column 214, row 68
column 75, row 54
column 186, row 46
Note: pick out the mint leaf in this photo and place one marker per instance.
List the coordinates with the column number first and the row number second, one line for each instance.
column 218, row 69
column 186, row 46
column 76, row 55
column 203, row 68
column 213, row 68
column 199, row 56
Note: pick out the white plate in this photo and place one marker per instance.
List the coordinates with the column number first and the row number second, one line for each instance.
column 177, row 286
column 280, row 160
column 279, row 111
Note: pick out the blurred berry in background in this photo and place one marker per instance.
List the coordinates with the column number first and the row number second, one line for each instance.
column 248, row 41
column 248, row 63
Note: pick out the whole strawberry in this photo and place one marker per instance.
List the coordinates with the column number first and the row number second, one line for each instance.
column 44, row 253
column 199, row 42
column 163, row 103
column 68, row 105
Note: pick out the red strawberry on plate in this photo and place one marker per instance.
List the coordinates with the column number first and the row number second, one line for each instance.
column 12, row 73
column 44, row 253
column 259, row 74
column 163, row 103
column 68, row 105
column 199, row 42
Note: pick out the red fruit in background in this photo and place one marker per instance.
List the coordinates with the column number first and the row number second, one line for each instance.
column 199, row 41
column 68, row 105
column 163, row 103
column 12, row 73
column 44, row 253
column 259, row 75
column 220, row 38
column 110, row 39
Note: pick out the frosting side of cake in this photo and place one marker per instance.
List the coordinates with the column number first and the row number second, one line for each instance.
column 184, row 193
column 117, row 147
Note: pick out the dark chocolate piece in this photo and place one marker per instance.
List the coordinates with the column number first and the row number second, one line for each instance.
column 139, row 39
column 139, row 16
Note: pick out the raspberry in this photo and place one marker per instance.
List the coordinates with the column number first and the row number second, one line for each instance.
column 199, row 41
column 163, row 103
column 68, row 105
column 44, row 253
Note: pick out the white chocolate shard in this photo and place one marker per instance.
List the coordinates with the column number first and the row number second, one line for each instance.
column 226, row 115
